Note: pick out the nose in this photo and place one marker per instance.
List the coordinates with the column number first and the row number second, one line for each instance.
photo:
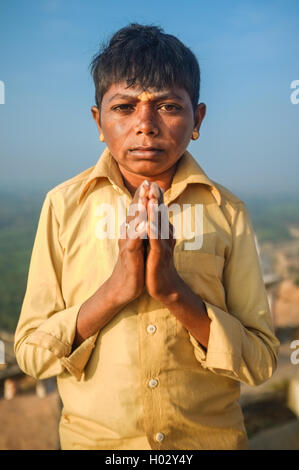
column 146, row 120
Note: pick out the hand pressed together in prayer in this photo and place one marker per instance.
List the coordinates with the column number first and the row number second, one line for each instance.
column 145, row 262
column 161, row 277
column 146, row 253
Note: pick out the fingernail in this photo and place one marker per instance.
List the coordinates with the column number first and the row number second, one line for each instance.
column 146, row 182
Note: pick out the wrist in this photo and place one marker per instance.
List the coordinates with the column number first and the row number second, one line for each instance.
column 109, row 295
column 182, row 295
column 174, row 293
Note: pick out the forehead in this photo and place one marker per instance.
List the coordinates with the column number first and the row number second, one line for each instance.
column 121, row 91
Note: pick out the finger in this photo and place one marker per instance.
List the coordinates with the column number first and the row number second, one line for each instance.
column 153, row 226
column 172, row 237
column 137, row 228
column 153, row 211
column 171, row 230
column 159, row 218
column 142, row 191
column 141, row 197
column 153, row 231
column 156, row 192
column 137, row 209
column 135, row 245
column 137, row 212
column 141, row 229
column 161, row 197
column 144, row 188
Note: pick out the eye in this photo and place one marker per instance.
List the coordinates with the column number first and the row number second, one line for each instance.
column 171, row 107
column 122, row 107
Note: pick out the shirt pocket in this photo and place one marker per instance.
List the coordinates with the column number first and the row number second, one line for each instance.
column 203, row 272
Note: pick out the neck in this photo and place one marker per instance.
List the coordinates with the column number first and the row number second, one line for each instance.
column 132, row 180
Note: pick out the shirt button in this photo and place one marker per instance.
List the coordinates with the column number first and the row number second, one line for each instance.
column 151, row 329
column 153, row 383
column 159, row 436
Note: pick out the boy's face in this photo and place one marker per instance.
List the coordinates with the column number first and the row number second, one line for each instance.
column 132, row 117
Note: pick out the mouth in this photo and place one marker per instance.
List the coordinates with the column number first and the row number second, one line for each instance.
column 146, row 151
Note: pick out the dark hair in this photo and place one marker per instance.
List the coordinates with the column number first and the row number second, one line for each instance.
column 145, row 56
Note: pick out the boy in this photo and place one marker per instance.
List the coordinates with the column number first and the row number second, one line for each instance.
column 149, row 335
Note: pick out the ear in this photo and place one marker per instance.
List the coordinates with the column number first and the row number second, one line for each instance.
column 199, row 115
column 96, row 116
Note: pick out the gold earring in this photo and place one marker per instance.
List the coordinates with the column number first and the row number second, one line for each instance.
column 102, row 138
column 195, row 134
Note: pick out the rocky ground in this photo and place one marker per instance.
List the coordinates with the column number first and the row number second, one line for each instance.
column 270, row 418
column 268, row 408
column 29, row 422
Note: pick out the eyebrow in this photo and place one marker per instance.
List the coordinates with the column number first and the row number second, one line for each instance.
column 158, row 97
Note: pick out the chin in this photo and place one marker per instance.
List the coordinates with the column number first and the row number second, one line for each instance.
column 147, row 168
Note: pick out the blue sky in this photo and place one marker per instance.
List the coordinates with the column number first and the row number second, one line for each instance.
column 248, row 52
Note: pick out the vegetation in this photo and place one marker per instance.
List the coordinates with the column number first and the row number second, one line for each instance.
column 19, row 214
column 273, row 217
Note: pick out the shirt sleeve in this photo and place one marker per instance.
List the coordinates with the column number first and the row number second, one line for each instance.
column 46, row 328
column 242, row 344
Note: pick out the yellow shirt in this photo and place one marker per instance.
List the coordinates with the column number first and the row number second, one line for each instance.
column 143, row 381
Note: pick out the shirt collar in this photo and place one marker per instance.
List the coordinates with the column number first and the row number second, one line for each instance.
column 106, row 167
column 188, row 172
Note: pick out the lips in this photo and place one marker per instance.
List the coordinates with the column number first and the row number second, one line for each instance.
column 145, row 152
column 145, row 149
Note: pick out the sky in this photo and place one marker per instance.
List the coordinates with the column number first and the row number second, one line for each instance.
column 248, row 52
